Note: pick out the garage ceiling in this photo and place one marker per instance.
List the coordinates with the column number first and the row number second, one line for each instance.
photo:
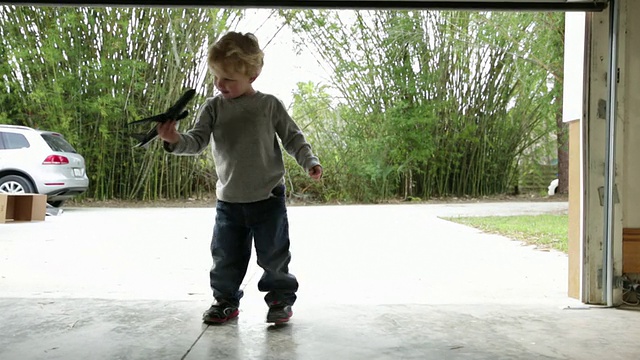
column 539, row 5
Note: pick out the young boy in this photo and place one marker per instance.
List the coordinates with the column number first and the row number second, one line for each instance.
column 242, row 125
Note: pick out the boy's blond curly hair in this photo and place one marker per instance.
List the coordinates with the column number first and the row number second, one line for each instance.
column 236, row 52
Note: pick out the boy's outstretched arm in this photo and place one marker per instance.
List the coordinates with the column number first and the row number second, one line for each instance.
column 192, row 142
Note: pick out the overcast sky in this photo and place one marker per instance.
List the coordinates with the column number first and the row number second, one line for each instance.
column 283, row 68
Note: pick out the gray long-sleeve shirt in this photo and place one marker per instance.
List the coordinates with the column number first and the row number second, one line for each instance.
column 242, row 132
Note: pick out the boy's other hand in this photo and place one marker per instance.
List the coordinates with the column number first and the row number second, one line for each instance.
column 316, row 172
column 167, row 132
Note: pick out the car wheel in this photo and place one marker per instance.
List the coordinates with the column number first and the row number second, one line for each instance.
column 56, row 203
column 14, row 184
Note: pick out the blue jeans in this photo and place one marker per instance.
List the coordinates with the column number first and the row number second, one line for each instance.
column 236, row 225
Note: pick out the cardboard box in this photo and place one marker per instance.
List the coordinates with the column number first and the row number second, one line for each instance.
column 22, row 207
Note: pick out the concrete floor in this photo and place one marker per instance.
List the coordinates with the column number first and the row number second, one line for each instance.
column 404, row 284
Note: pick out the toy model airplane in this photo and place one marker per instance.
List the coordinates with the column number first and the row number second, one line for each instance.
column 175, row 112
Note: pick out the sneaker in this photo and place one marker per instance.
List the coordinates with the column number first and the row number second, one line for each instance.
column 279, row 313
column 220, row 312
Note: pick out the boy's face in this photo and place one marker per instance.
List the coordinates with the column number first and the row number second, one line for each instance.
column 232, row 84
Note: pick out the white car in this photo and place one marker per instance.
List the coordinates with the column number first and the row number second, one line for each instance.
column 40, row 162
column 553, row 187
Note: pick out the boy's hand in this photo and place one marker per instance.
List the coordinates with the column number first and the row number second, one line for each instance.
column 316, row 172
column 167, row 132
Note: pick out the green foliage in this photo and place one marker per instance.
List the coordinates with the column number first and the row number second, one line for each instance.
column 430, row 103
column 87, row 72
column 433, row 103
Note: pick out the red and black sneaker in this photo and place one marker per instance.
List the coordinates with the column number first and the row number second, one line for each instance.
column 220, row 312
column 279, row 313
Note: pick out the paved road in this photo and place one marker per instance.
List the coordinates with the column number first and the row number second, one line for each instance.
column 162, row 253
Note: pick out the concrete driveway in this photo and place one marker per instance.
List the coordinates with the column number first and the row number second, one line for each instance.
column 384, row 281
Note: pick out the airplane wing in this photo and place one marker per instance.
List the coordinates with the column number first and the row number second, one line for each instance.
column 156, row 118
column 175, row 112
column 177, row 108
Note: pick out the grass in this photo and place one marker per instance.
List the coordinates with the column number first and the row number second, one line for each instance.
column 543, row 231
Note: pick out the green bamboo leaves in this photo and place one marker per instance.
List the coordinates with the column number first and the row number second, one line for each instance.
column 87, row 72
column 421, row 104
column 432, row 103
